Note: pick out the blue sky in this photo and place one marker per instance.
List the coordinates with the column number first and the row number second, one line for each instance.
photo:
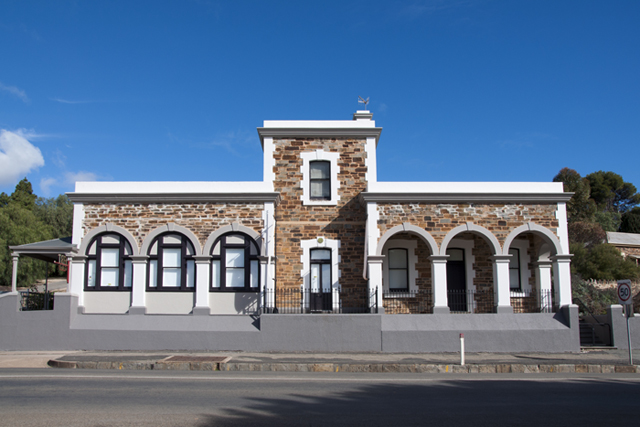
column 482, row 90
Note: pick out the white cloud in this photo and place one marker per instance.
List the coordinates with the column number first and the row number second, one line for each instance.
column 46, row 184
column 73, row 177
column 16, row 92
column 17, row 157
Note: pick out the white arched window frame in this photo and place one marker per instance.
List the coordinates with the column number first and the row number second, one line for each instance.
column 305, row 184
column 522, row 245
column 235, row 265
column 109, row 265
column 171, row 264
column 410, row 246
column 320, row 243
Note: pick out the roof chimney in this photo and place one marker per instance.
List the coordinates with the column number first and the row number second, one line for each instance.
column 362, row 115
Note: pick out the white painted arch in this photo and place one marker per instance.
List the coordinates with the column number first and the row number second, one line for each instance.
column 411, row 229
column 233, row 228
column 107, row 228
column 545, row 233
column 471, row 228
column 170, row 228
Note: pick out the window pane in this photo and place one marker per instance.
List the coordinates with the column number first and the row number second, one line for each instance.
column 91, row 273
column 235, row 257
column 235, row 278
column 514, row 279
column 235, row 239
column 321, row 254
column 171, row 277
column 326, row 277
column 514, row 261
column 321, row 189
column 109, row 277
column 191, row 274
column 172, row 239
column 153, row 273
column 398, row 279
column 455, row 255
column 110, row 257
column 319, row 170
column 128, row 273
column 171, row 257
column 110, row 239
column 397, row 258
column 215, row 273
column 255, row 268
column 315, row 277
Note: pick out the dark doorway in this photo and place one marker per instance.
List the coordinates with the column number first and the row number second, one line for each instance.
column 456, row 280
column 320, row 289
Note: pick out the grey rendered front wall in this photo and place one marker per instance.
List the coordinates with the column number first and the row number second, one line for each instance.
column 64, row 328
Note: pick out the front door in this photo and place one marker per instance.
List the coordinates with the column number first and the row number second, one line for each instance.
column 320, row 286
column 456, row 280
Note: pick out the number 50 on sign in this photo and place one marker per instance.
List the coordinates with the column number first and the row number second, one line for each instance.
column 624, row 292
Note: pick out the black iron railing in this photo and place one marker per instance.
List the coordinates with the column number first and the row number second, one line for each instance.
column 408, row 302
column 531, row 301
column 478, row 301
column 336, row 301
column 32, row 300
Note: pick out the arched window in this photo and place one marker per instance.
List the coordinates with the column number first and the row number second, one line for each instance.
column 235, row 265
column 171, row 264
column 398, row 270
column 109, row 265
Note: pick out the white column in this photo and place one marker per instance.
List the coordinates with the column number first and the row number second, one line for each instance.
column 543, row 284
column 14, row 273
column 264, row 277
column 76, row 287
column 562, row 277
column 501, row 288
column 439, row 283
column 203, row 269
column 139, row 285
column 376, row 292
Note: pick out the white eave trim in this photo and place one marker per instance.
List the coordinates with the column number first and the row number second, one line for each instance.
column 367, row 197
column 267, row 197
column 319, row 132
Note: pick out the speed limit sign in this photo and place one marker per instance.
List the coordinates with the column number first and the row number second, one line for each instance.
column 624, row 292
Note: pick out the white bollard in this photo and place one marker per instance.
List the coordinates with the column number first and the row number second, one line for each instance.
column 461, row 349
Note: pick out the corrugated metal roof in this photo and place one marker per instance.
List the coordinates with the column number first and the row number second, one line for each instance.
column 623, row 239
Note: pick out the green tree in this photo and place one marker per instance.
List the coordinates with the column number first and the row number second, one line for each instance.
column 19, row 225
column 601, row 262
column 631, row 221
column 23, row 195
column 57, row 213
column 580, row 207
column 611, row 193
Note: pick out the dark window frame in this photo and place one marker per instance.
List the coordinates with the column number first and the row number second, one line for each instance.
column 122, row 258
column 222, row 269
column 389, row 268
column 326, row 180
column 518, row 268
column 184, row 258
column 321, row 262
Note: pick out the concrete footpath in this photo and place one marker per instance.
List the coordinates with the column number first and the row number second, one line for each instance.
column 587, row 361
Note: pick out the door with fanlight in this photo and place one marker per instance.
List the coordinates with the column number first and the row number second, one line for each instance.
column 320, row 284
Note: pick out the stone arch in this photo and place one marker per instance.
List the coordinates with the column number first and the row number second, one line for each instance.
column 473, row 228
column 411, row 229
column 170, row 228
column 107, row 228
column 235, row 227
column 545, row 233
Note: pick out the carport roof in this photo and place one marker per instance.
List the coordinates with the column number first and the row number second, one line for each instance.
column 47, row 250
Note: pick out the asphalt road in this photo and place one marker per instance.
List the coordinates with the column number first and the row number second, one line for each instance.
column 147, row 398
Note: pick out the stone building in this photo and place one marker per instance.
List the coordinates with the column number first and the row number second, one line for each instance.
column 319, row 243
column 627, row 243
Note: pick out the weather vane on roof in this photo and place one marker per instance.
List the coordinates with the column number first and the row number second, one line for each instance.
column 361, row 100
